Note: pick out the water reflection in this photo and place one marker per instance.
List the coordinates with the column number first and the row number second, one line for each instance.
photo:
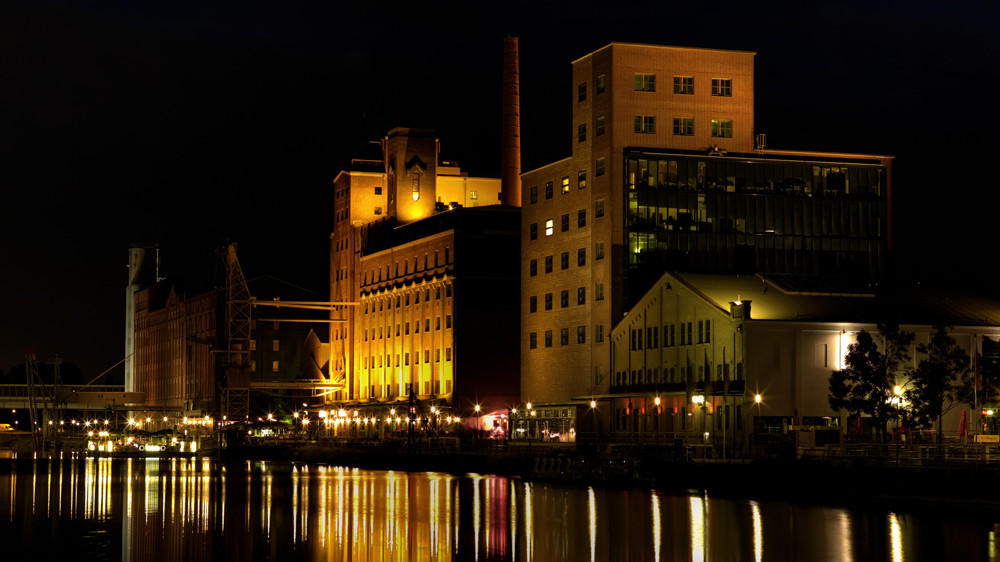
column 184, row 509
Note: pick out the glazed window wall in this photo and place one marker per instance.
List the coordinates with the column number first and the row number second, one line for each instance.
column 716, row 215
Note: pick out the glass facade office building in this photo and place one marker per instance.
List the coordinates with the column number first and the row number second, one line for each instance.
column 761, row 213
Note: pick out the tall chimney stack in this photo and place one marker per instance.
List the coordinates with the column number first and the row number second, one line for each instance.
column 510, row 155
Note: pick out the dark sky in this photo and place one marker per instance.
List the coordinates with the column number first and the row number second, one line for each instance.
column 185, row 122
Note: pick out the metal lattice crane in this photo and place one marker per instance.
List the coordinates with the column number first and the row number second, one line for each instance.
column 235, row 365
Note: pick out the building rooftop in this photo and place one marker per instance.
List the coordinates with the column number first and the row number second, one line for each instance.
column 832, row 299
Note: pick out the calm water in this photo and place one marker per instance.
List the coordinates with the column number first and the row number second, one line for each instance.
column 171, row 509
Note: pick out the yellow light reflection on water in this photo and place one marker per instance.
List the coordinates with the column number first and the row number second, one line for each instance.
column 697, row 514
column 475, row 514
column 758, row 533
column 896, row 538
column 513, row 521
column 657, row 529
column 592, row 517
column 528, row 522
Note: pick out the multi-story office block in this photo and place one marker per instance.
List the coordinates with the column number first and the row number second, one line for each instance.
column 426, row 258
column 665, row 175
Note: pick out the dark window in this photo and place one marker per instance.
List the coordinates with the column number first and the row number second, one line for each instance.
column 722, row 87
column 564, row 336
column 599, row 333
column 599, row 128
column 599, row 208
column 684, row 85
column 565, row 260
column 533, row 304
column 708, row 331
column 599, row 167
column 565, row 223
column 533, row 231
column 548, row 190
column 581, row 218
column 581, row 295
column 722, row 128
column 564, row 299
column 548, row 338
column 534, row 194
column 581, row 92
column 581, row 334
column 548, row 301
column 533, row 340
column 645, row 82
column 548, row 264
column 599, row 88
column 683, row 127
column 581, row 132
column 378, row 191
column 533, row 268
column 645, row 124
column 581, row 257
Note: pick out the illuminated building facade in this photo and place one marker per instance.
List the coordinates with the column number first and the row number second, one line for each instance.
column 429, row 257
column 708, row 345
column 666, row 175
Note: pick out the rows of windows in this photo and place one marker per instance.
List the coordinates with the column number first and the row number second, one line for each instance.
column 564, row 299
column 564, row 336
column 683, row 85
column 403, row 267
column 404, row 300
column 653, row 335
column 581, row 183
column 403, row 328
column 581, row 260
column 564, row 222
column 684, row 126
column 376, row 361
column 678, row 375
column 599, row 87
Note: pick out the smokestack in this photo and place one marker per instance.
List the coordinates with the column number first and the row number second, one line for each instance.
column 510, row 155
column 143, row 271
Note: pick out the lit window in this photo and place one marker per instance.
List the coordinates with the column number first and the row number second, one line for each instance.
column 274, row 366
column 275, row 345
column 534, row 194
column 549, row 228
column 473, row 195
column 581, row 92
column 581, row 132
column 645, row 124
column 599, row 167
column 581, row 179
column 722, row 87
column 599, row 251
column 599, row 88
column 683, row 126
column 684, row 85
column 599, row 129
column 253, row 365
column 415, row 182
column 722, row 129
column 645, row 82
column 565, row 185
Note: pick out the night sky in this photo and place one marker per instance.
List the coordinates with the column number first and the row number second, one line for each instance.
column 184, row 123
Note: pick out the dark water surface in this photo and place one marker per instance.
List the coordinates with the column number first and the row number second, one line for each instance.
column 191, row 510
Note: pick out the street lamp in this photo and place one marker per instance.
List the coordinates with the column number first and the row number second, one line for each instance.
column 657, row 419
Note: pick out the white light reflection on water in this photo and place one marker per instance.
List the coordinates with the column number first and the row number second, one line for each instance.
column 697, row 515
column 758, row 533
column 592, row 516
column 846, row 553
column 896, row 538
column 529, row 540
column 657, row 530
column 475, row 514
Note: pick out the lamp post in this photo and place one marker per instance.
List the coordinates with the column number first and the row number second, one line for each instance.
column 531, row 414
column 657, row 419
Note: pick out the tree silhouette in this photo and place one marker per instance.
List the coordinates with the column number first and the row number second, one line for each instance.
column 941, row 381
column 865, row 385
